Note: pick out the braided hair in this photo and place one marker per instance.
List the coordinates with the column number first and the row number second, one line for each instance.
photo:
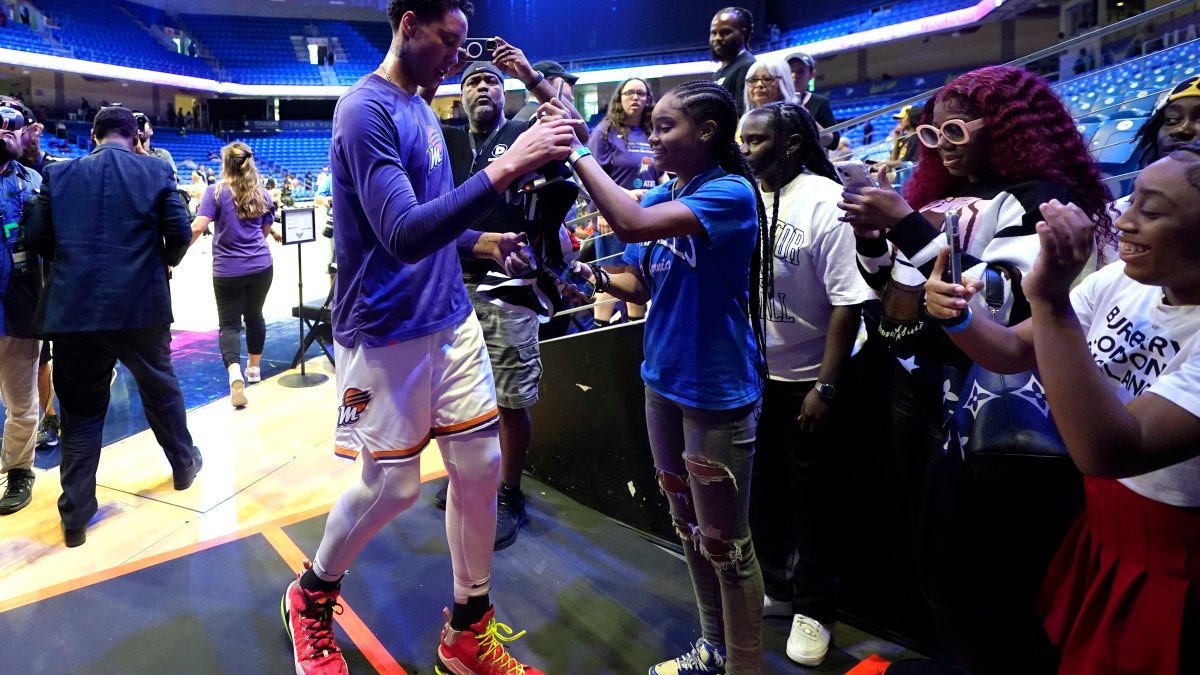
column 702, row 100
column 787, row 120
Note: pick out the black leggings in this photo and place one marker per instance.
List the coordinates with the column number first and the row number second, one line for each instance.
column 238, row 298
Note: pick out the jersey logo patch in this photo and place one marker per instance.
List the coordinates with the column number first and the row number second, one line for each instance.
column 437, row 148
column 683, row 248
column 354, row 404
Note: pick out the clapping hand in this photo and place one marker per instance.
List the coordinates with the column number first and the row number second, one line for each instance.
column 1066, row 236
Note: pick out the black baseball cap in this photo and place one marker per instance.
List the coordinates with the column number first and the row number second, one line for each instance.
column 484, row 66
column 553, row 69
column 806, row 59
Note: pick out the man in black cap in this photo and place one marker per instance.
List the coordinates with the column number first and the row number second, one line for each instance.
column 561, row 82
column 804, row 69
column 728, row 43
column 511, row 338
column 111, row 223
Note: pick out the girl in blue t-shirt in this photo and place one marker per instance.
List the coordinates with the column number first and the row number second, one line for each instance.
column 621, row 143
column 696, row 251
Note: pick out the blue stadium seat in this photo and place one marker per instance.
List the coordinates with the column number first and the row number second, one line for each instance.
column 1118, row 133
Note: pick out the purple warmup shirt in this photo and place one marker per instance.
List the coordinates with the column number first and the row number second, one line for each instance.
column 396, row 218
column 239, row 247
column 625, row 158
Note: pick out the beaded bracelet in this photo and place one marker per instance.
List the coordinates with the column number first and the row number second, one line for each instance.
column 602, row 277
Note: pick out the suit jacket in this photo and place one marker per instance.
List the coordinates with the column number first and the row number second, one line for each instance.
column 111, row 223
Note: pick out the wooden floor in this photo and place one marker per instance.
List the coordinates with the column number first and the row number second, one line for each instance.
column 266, row 465
column 257, row 506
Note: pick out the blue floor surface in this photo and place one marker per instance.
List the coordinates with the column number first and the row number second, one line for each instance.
column 593, row 596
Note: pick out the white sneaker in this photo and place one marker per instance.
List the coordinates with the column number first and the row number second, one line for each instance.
column 237, row 386
column 773, row 607
column 253, row 374
column 808, row 644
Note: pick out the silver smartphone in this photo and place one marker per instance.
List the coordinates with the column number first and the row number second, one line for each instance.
column 854, row 174
column 951, row 220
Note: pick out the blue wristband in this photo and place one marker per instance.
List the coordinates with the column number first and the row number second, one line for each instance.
column 578, row 154
column 961, row 325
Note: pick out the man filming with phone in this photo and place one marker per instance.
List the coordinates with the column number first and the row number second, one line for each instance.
column 142, row 144
column 511, row 337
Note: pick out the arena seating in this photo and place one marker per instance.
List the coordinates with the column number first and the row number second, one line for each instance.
column 109, row 35
column 255, row 52
column 294, row 152
column 1110, row 105
column 861, row 20
column 262, row 52
column 195, row 144
column 867, row 19
column 20, row 37
column 363, row 43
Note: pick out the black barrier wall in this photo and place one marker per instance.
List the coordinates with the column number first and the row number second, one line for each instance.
column 589, row 441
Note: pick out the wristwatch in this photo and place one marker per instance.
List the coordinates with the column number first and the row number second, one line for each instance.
column 826, row 391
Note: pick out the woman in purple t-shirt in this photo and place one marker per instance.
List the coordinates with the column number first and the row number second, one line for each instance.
column 241, row 212
column 621, row 143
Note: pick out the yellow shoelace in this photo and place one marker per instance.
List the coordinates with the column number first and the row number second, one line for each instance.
column 492, row 647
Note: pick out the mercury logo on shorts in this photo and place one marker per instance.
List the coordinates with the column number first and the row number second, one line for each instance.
column 354, row 404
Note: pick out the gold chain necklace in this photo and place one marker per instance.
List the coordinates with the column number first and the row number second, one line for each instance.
column 382, row 70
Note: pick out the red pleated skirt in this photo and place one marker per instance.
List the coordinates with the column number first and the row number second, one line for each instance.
column 1116, row 596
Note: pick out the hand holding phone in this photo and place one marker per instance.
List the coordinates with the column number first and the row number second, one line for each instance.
column 854, row 174
column 480, row 49
column 952, row 239
column 564, row 272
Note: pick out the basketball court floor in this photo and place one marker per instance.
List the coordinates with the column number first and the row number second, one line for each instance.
column 190, row 582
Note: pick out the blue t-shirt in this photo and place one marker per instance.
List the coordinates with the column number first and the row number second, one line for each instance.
column 699, row 346
column 392, row 195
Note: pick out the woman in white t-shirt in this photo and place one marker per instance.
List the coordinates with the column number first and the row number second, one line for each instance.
column 1121, row 365
column 815, row 311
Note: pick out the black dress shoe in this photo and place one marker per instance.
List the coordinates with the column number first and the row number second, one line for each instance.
column 74, row 536
column 184, row 480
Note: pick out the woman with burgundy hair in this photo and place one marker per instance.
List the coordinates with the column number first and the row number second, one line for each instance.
column 997, row 144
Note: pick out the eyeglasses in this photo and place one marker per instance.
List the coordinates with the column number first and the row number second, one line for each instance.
column 763, row 80
column 635, row 94
column 957, row 132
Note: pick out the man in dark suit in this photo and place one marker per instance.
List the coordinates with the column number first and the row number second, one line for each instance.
column 112, row 223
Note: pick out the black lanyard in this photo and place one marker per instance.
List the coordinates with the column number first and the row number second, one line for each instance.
column 487, row 143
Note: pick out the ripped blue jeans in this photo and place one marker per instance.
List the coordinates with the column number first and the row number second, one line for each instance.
column 704, row 459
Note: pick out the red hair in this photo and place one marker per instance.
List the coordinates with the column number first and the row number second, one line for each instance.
column 1031, row 136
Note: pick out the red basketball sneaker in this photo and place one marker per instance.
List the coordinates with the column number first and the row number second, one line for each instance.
column 308, row 620
column 479, row 650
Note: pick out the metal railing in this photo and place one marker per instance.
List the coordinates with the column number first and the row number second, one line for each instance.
column 1038, row 55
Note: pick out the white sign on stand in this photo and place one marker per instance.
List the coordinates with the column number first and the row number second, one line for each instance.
column 299, row 226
